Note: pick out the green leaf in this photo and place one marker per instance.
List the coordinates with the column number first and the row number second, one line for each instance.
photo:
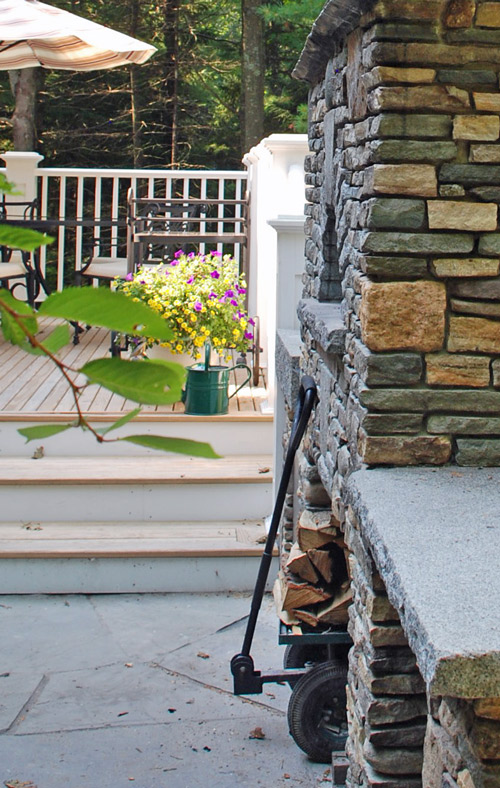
column 11, row 329
column 124, row 420
column 22, row 238
column 7, row 187
column 58, row 339
column 44, row 431
column 99, row 306
column 147, row 382
column 177, row 445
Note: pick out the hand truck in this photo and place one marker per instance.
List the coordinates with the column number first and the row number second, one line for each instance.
column 315, row 663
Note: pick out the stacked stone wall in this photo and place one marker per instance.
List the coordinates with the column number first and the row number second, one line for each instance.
column 403, row 186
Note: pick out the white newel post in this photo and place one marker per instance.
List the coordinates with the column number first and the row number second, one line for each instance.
column 276, row 244
column 21, row 170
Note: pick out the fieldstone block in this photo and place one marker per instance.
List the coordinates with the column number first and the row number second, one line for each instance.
column 488, row 708
column 488, row 15
column 386, row 424
column 397, row 736
column 470, row 174
column 403, row 315
column 383, row 369
column 486, row 154
column 475, row 451
column 405, row 9
column 481, row 308
column 395, row 213
column 451, row 190
column 467, row 78
column 476, row 127
column 437, row 400
column 440, row 754
column 414, row 126
column 440, row 98
column 476, row 334
column 465, row 267
column 487, row 102
column 455, row 215
column 489, row 289
column 407, row 267
column 402, row 450
column 486, row 193
column 459, row 13
column 489, row 244
column 496, row 371
column 405, row 179
column 393, row 761
column 389, row 31
column 415, row 243
column 418, row 53
column 464, row 425
column 387, row 74
column 400, row 151
column 444, row 369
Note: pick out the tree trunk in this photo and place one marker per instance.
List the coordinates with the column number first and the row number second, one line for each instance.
column 252, row 73
column 136, row 92
column 171, row 10
column 23, row 83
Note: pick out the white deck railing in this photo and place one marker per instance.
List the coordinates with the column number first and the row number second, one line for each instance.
column 100, row 196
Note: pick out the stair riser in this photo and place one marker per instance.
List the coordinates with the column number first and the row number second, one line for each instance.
column 124, row 576
column 226, row 438
column 132, row 502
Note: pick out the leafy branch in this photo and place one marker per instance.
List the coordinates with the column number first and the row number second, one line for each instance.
column 145, row 381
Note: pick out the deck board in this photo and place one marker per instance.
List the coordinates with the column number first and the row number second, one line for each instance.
column 30, row 386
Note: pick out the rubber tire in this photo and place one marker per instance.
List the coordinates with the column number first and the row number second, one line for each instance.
column 322, row 689
column 297, row 654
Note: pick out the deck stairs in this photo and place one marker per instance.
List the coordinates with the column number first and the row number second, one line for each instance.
column 78, row 517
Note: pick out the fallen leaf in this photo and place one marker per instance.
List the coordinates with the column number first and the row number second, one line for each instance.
column 264, row 470
column 203, row 655
column 257, row 733
column 270, row 695
column 286, row 776
column 207, row 749
column 38, row 453
column 19, row 784
column 31, row 527
column 171, row 711
column 122, row 714
column 129, row 664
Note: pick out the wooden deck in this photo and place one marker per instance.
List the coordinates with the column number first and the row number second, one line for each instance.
column 31, row 388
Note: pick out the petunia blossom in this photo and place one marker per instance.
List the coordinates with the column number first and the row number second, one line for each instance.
column 198, row 306
column 214, row 274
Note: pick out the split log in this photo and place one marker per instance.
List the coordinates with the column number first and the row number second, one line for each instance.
column 287, row 617
column 296, row 593
column 316, row 529
column 299, row 564
column 336, row 611
column 322, row 560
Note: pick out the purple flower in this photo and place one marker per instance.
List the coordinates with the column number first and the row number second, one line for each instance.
column 251, row 321
column 248, row 335
column 198, row 306
column 234, row 302
column 215, row 275
column 216, row 254
column 213, row 295
column 178, row 253
column 241, row 289
column 191, row 255
column 129, row 277
column 191, row 279
column 229, row 293
column 142, row 282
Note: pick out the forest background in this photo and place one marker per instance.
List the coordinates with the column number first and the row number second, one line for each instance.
column 219, row 82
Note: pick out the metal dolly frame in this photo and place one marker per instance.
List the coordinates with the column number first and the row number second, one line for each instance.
column 317, row 709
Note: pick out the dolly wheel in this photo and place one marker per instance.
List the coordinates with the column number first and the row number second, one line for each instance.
column 317, row 716
column 297, row 655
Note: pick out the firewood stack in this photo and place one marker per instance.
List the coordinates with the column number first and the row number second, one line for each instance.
column 313, row 586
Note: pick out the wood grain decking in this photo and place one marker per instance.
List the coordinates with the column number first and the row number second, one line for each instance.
column 32, row 387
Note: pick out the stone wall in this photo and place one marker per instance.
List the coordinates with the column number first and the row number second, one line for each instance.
column 403, row 185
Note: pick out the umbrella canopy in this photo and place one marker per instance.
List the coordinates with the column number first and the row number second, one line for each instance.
column 37, row 34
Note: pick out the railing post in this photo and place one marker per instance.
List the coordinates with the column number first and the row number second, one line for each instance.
column 21, row 170
column 276, row 188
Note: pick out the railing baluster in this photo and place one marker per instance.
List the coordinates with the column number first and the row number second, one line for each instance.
column 79, row 229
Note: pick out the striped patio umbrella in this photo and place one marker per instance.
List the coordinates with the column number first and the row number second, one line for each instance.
column 37, row 34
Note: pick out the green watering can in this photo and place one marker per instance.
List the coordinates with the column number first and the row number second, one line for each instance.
column 206, row 387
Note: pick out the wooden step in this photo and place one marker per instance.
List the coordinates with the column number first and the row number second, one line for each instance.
column 158, row 469
column 128, row 489
column 131, row 540
column 138, row 557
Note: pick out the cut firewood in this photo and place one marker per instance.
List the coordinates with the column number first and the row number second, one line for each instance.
column 323, row 562
column 287, row 617
column 307, row 616
column 336, row 610
column 299, row 564
column 297, row 593
column 316, row 529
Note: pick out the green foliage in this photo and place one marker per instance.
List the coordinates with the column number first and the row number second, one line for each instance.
column 22, row 238
column 148, row 382
column 178, row 445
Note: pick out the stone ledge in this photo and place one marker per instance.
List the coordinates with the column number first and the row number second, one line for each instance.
column 435, row 537
column 324, row 322
column 288, row 350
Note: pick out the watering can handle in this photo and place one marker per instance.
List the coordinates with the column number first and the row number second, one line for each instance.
column 249, row 375
column 208, row 348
